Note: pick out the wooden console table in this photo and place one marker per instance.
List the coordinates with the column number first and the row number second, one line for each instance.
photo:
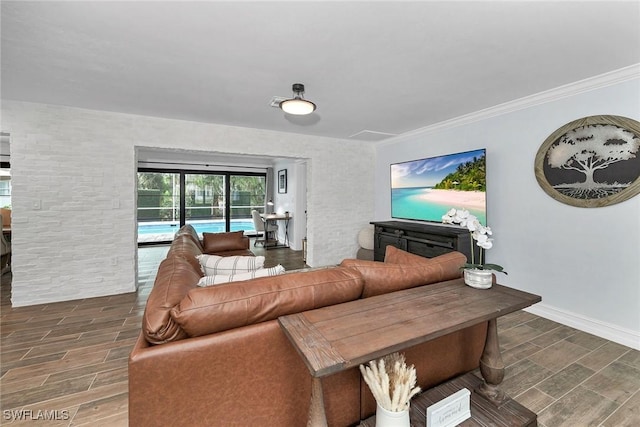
column 335, row 338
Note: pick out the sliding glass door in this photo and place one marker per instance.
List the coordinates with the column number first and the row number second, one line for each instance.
column 247, row 193
column 205, row 202
column 210, row 202
column 158, row 206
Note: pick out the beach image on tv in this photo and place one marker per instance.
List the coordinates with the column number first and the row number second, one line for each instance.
column 426, row 189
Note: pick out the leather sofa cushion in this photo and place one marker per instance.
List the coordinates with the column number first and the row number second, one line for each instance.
column 239, row 252
column 384, row 277
column 176, row 276
column 188, row 230
column 184, row 246
column 222, row 242
column 213, row 309
column 398, row 256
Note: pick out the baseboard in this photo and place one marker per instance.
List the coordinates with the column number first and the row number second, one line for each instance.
column 601, row 329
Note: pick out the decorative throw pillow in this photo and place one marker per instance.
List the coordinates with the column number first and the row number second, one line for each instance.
column 384, row 277
column 220, row 278
column 398, row 256
column 213, row 265
column 221, row 242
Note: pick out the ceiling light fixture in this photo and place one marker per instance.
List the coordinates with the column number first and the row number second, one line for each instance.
column 297, row 105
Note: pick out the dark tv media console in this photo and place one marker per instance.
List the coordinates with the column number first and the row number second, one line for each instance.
column 427, row 240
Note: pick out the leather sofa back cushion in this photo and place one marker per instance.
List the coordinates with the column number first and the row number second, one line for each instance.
column 240, row 252
column 176, row 276
column 213, row 309
column 184, row 246
column 398, row 256
column 188, row 230
column 222, row 242
column 384, row 277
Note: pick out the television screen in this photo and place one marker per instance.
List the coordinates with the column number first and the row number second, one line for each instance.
column 426, row 189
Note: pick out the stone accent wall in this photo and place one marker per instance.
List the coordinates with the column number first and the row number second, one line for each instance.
column 74, row 179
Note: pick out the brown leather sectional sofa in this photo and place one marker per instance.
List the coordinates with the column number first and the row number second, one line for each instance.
column 216, row 356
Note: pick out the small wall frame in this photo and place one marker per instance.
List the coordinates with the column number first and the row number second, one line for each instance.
column 591, row 162
column 282, row 181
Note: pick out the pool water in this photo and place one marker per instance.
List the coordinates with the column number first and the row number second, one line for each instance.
column 201, row 227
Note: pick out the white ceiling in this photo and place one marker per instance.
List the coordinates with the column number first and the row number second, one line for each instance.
column 388, row 67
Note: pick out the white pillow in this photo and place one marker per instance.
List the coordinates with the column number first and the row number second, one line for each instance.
column 213, row 265
column 221, row 278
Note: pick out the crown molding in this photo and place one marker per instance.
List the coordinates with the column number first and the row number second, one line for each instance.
column 592, row 83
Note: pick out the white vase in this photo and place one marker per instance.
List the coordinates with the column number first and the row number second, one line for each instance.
column 386, row 418
column 479, row 279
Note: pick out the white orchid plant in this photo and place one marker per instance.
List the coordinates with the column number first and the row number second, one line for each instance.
column 479, row 233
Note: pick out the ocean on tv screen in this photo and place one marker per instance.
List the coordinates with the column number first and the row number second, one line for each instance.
column 427, row 204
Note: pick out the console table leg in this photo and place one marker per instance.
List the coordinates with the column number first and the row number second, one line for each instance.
column 492, row 367
column 317, row 416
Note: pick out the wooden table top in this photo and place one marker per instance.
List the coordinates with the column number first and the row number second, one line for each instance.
column 276, row 216
column 335, row 338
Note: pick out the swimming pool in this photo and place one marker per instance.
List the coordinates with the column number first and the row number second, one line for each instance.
column 165, row 231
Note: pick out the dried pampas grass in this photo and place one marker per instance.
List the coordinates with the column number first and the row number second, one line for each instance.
column 391, row 381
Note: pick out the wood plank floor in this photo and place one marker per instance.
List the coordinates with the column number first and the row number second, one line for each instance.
column 65, row 364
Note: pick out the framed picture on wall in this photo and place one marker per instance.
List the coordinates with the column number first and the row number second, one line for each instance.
column 591, row 162
column 282, row 181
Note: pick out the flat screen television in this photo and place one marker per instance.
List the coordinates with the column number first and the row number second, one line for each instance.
column 426, row 189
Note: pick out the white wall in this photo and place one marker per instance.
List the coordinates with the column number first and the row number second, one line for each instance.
column 583, row 262
column 293, row 201
column 80, row 167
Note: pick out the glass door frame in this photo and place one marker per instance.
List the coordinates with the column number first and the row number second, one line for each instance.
column 182, row 196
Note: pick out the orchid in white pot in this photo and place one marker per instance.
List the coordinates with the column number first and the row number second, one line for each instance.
column 480, row 234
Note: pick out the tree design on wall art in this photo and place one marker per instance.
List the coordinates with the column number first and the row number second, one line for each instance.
column 591, row 162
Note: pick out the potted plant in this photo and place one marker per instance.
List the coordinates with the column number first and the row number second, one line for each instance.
column 392, row 384
column 476, row 274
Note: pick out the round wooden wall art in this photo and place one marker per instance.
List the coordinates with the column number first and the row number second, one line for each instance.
column 591, row 162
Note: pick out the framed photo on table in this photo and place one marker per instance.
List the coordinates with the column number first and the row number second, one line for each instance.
column 282, row 181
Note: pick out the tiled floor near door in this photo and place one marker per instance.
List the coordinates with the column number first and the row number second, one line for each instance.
column 71, row 357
